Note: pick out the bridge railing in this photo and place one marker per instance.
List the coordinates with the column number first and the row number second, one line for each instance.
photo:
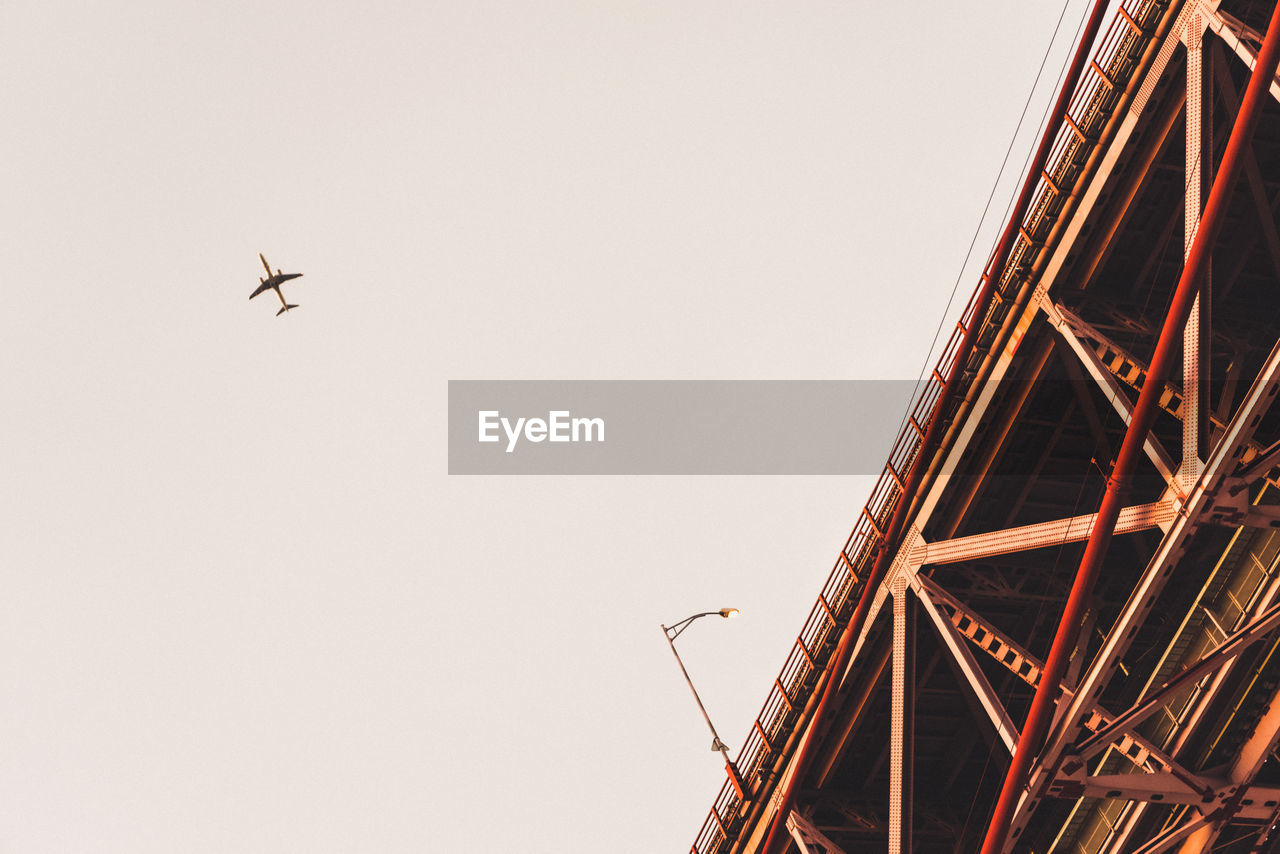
column 1116, row 57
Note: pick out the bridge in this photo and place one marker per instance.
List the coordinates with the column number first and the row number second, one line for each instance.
column 1055, row 626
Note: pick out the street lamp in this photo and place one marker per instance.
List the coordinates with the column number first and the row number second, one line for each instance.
column 672, row 632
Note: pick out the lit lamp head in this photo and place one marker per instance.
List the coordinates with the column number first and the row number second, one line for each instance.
column 728, row 612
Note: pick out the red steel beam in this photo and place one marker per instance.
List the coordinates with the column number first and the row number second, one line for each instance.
column 886, row 547
column 1144, row 413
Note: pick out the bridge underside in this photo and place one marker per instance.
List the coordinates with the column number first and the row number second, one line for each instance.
column 1168, row 716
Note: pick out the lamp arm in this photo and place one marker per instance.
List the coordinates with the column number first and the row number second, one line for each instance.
column 673, row 631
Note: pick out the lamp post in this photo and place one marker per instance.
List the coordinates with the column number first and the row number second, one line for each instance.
column 672, row 632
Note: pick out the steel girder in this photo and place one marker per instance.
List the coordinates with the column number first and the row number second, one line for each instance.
column 1213, row 481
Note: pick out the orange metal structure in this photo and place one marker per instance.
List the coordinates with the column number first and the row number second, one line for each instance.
column 1148, row 725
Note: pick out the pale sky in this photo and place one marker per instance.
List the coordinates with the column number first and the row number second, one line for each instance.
column 244, row 607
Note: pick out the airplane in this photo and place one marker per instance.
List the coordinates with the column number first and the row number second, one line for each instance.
column 273, row 282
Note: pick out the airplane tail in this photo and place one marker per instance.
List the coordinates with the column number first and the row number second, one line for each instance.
column 286, row 308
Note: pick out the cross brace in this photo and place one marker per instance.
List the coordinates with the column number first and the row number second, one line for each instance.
column 809, row 838
column 1232, row 507
column 1042, row 534
column 1132, row 371
column 1232, row 646
column 1168, row 789
column 1239, row 37
column 1027, row 667
column 1105, row 374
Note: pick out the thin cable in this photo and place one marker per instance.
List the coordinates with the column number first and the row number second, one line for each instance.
column 991, row 195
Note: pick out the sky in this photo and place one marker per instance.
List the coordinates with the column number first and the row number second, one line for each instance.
column 244, row 607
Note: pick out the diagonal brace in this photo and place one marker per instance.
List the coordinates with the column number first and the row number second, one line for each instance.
column 1234, row 32
column 1027, row 667
column 1066, row 324
column 1232, row 646
column 1005, row 727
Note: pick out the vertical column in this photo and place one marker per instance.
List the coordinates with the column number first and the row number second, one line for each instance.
column 1194, row 337
column 1205, row 307
column 902, row 719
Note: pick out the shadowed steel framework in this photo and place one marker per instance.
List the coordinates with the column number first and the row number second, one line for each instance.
column 1055, row 626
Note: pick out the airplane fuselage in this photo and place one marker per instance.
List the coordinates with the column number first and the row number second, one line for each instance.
column 273, row 281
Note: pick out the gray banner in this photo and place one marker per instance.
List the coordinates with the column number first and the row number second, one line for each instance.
column 700, row 427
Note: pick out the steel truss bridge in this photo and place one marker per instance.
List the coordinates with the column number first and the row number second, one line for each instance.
column 1056, row 624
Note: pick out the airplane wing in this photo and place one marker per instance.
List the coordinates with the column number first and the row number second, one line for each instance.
column 264, row 286
column 265, row 264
